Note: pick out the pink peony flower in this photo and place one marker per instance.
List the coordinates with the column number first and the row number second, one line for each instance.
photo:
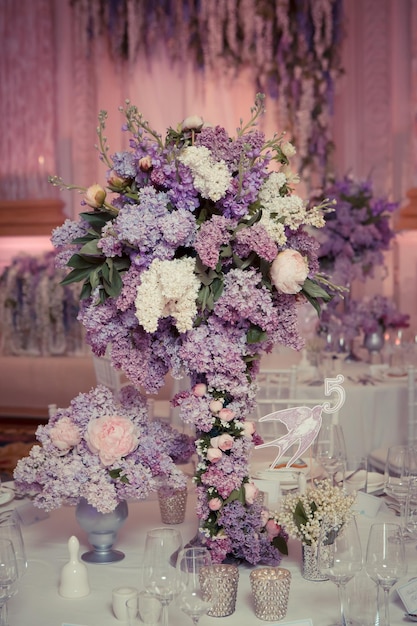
column 215, row 504
column 223, row 442
column 226, row 415
column 251, row 492
column 200, row 390
column 65, row 434
column 289, row 271
column 111, row 437
column 249, row 428
column 216, row 406
column 214, row 455
column 95, row 196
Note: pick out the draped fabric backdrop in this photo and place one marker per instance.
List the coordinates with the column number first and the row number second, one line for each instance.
column 52, row 92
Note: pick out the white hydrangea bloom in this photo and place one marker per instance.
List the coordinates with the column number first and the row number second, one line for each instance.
column 211, row 178
column 284, row 210
column 168, row 288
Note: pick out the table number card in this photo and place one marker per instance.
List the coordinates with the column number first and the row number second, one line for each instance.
column 408, row 594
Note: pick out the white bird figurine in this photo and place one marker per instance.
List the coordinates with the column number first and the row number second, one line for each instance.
column 303, row 424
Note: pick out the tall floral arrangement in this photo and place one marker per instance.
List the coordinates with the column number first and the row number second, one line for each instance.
column 354, row 240
column 195, row 260
column 293, row 49
column 38, row 315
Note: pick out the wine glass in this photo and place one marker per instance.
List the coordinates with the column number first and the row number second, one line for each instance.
column 8, row 577
column 10, row 529
column 400, row 467
column 159, row 569
column 194, row 599
column 330, row 450
column 385, row 559
column 339, row 555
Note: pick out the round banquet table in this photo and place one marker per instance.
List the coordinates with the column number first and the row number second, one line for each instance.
column 38, row 603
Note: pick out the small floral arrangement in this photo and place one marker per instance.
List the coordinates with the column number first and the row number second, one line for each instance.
column 381, row 313
column 357, row 233
column 302, row 515
column 103, row 449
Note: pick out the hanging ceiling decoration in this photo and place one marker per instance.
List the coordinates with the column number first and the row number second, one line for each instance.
column 293, row 48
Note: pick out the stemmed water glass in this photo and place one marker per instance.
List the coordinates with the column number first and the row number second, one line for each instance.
column 385, row 559
column 329, row 448
column 160, row 577
column 400, row 468
column 339, row 556
column 10, row 529
column 8, row 577
column 194, row 599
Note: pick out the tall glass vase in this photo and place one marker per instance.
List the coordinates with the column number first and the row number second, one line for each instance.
column 102, row 531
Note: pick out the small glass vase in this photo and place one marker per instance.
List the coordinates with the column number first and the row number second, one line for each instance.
column 102, row 531
column 374, row 342
column 310, row 568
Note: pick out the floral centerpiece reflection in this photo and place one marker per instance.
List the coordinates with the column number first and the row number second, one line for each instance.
column 102, row 449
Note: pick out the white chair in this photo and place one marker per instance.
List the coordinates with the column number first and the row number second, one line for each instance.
column 107, row 375
column 378, row 457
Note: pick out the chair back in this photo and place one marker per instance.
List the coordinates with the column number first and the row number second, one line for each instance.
column 412, row 407
column 107, row 375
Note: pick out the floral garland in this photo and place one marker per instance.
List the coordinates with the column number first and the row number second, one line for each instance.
column 197, row 265
column 38, row 315
column 292, row 46
column 101, row 448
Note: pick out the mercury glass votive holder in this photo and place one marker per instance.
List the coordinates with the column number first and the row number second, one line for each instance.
column 270, row 592
column 172, row 504
column 219, row 582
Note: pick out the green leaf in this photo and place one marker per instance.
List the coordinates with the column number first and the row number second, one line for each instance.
column 95, row 278
column 256, row 334
column 217, row 288
column 90, row 248
column 314, row 290
column 281, row 545
column 78, row 262
column 85, row 291
column 76, row 276
column 236, row 494
column 115, row 287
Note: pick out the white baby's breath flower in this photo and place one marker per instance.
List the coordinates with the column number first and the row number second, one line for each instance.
column 168, row 288
column 211, row 178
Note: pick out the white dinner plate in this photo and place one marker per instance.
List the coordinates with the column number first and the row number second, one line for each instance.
column 6, row 495
column 287, row 476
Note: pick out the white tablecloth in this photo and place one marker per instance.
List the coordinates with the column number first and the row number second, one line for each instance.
column 39, row 604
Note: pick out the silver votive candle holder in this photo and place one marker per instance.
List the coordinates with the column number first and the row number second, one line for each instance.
column 219, row 583
column 270, row 592
column 172, row 504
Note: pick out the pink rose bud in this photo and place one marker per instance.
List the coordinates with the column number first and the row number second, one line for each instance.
column 264, row 517
column 226, row 415
column 216, row 406
column 214, row 455
column 225, row 442
column 145, row 163
column 200, row 390
column 251, row 491
column 289, row 271
column 272, row 528
column 115, row 181
column 192, row 122
column 65, row 434
column 215, row 504
column 249, row 428
column 95, row 196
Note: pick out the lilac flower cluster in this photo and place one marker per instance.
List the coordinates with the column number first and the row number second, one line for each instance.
column 176, row 267
column 356, row 233
column 69, row 466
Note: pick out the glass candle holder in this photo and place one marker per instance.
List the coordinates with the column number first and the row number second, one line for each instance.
column 222, row 578
column 172, row 504
column 270, row 591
